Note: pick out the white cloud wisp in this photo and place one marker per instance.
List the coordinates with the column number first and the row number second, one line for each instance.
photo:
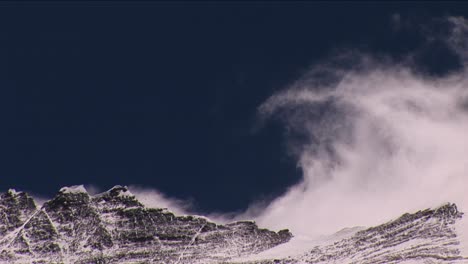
column 381, row 140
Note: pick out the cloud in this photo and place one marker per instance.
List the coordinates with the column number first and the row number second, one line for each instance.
column 374, row 137
column 377, row 139
column 93, row 189
column 152, row 198
column 457, row 39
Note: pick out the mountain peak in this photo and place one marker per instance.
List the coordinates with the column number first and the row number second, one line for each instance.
column 114, row 227
column 119, row 190
column 74, row 189
column 12, row 192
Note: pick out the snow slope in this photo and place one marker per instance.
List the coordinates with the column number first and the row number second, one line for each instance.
column 114, row 227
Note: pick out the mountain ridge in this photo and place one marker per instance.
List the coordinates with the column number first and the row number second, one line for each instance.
column 114, row 227
column 425, row 236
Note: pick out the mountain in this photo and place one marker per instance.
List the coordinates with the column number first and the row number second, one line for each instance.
column 114, row 227
column 427, row 236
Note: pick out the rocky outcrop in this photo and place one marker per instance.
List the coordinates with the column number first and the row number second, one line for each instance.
column 114, row 227
column 427, row 236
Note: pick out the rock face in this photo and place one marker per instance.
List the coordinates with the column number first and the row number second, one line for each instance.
column 114, row 227
column 427, row 236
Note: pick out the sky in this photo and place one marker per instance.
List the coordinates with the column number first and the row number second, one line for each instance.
column 229, row 107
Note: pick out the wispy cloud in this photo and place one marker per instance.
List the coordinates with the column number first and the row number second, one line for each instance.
column 381, row 139
column 153, row 198
column 378, row 138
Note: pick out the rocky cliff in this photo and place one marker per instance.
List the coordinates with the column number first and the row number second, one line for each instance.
column 114, row 227
column 427, row 236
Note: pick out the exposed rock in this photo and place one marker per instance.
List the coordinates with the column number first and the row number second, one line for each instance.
column 114, row 227
column 427, row 236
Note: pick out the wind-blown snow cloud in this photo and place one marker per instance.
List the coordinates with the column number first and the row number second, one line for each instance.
column 380, row 139
column 152, row 198
column 374, row 138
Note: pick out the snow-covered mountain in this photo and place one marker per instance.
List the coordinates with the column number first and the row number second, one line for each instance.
column 427, row 236
column 114, row 227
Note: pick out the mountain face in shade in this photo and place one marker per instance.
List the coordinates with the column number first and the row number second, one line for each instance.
column 114, row 227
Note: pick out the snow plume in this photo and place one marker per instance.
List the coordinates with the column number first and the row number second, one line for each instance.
column 374, row 139
column 152, row 198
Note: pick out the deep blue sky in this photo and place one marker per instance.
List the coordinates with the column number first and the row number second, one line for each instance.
column 164, row 95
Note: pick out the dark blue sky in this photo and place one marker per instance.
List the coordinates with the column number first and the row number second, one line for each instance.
column 164, row 95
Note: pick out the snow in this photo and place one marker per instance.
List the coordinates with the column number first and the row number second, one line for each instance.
column 13, row 192
column 74, row 189
column 299, row 249
column 10, row 237
column 296, row 246
column 300, row 244
column 126, row 193
column 123, row 192
column 191, row 242
column 462, row 231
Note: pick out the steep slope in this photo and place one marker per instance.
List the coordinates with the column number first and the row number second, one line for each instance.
column 113, row 227
column 427, row 236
